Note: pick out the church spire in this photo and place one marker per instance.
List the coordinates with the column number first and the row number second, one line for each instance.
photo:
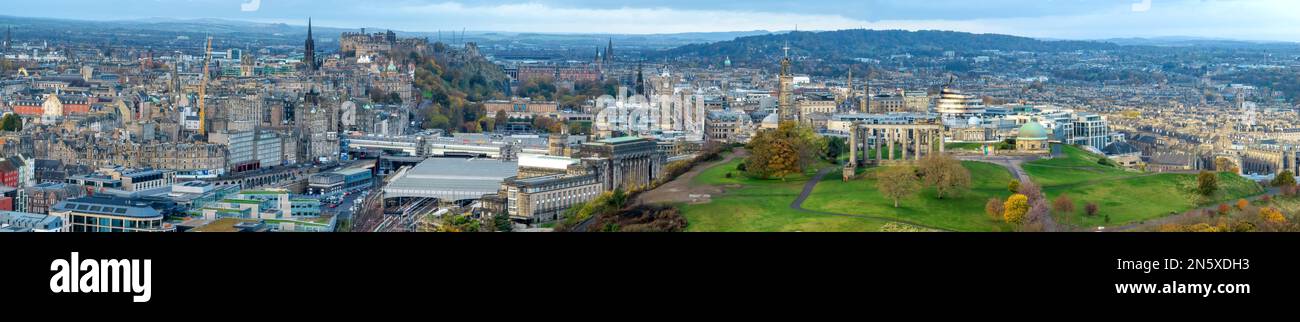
column 309, row 52
column 609, row 51
column 640, row 81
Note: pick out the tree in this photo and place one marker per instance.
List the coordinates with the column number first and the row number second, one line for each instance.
column 994, row 208
column 1224, row 209
column 1207, row 183
column 1014, row 210
column 790, row 149
column 1284, row 179
column 1063, row 205
column 1032, row 191
column 1014, row 186
column 1038, row 218
column 945, row 174
column 1091, row 209
column 1242, row 204
column 898, row 182
column 1272, row 215
column 1225, row 165
column 501, row 222
column 11, row 122
column 836, row 146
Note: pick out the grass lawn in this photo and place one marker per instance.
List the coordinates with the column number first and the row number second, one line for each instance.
column 965, row 213
column 1123, row 195
column 1145, row 197
column 761, row 206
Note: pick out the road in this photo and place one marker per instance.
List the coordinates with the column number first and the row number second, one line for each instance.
column 1012, row 163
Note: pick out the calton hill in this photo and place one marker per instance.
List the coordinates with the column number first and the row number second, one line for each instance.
column 789, row 180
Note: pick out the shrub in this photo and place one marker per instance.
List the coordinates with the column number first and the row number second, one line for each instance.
column 1091, row 209
column 1015, row 209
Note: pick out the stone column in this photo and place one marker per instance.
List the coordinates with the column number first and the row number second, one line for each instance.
column 941, row 147
column 853, row 145
column 917, row 154
column 875, row 138
column 891, row 143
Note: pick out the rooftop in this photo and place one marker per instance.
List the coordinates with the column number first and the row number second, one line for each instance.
column 618, row 140
column 110, row 206
column 452, row 179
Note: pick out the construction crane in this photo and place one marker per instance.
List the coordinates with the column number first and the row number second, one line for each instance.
column 203, row 90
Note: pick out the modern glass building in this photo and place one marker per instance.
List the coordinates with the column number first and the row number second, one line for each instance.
column 109, row 214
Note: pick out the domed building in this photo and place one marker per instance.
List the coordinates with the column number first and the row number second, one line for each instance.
column 1032, row 138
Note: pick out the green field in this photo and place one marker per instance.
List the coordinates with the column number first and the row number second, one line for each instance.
column 1124, row 195
column 761, row 206
column 965, row 213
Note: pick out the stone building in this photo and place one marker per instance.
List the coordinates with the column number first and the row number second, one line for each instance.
column 1032, row 138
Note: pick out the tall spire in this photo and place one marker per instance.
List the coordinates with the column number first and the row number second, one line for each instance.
column 309, row 53
column 640, row 81
column 609, row 51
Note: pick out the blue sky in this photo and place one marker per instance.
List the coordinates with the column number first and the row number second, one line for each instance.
column 1065, row 19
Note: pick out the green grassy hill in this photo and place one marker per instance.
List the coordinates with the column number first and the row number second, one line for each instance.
column 1126, row 196
column 761, row 206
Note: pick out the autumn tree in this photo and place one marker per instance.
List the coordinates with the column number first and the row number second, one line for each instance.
column 994, row 208
column 898, row 182
column 1063, row 205
column 1207, row 183
column 790, row 149
column 1091, row 209
column 1014, row 186
column 1032, row 191
column 1038, row 218
column 1272, row 215
column 1015, row 208
column 1242, row 204
column 945, row 174
column 1224, row 209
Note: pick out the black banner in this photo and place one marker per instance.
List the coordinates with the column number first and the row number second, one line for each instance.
column 356, row 271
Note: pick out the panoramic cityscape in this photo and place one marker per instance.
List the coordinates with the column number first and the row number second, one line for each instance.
column 422, row 116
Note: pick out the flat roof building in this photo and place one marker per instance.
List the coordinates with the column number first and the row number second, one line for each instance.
column 109, row 214
column 449, row 179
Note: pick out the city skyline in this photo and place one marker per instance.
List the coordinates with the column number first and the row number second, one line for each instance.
column 1251, row 20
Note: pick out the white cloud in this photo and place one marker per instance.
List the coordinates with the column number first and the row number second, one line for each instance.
column 1237, row 19
column 537, row 17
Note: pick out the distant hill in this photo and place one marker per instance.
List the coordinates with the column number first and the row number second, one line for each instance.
column 1200, row 42
column 860, row 43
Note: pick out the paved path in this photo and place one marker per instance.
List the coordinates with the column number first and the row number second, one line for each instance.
column 1012, row 163
column 680, row 189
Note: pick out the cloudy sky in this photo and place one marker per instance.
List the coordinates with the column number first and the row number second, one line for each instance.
column 1065, row 19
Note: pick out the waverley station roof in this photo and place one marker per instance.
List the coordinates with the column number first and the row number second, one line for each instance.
column 451, row 179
